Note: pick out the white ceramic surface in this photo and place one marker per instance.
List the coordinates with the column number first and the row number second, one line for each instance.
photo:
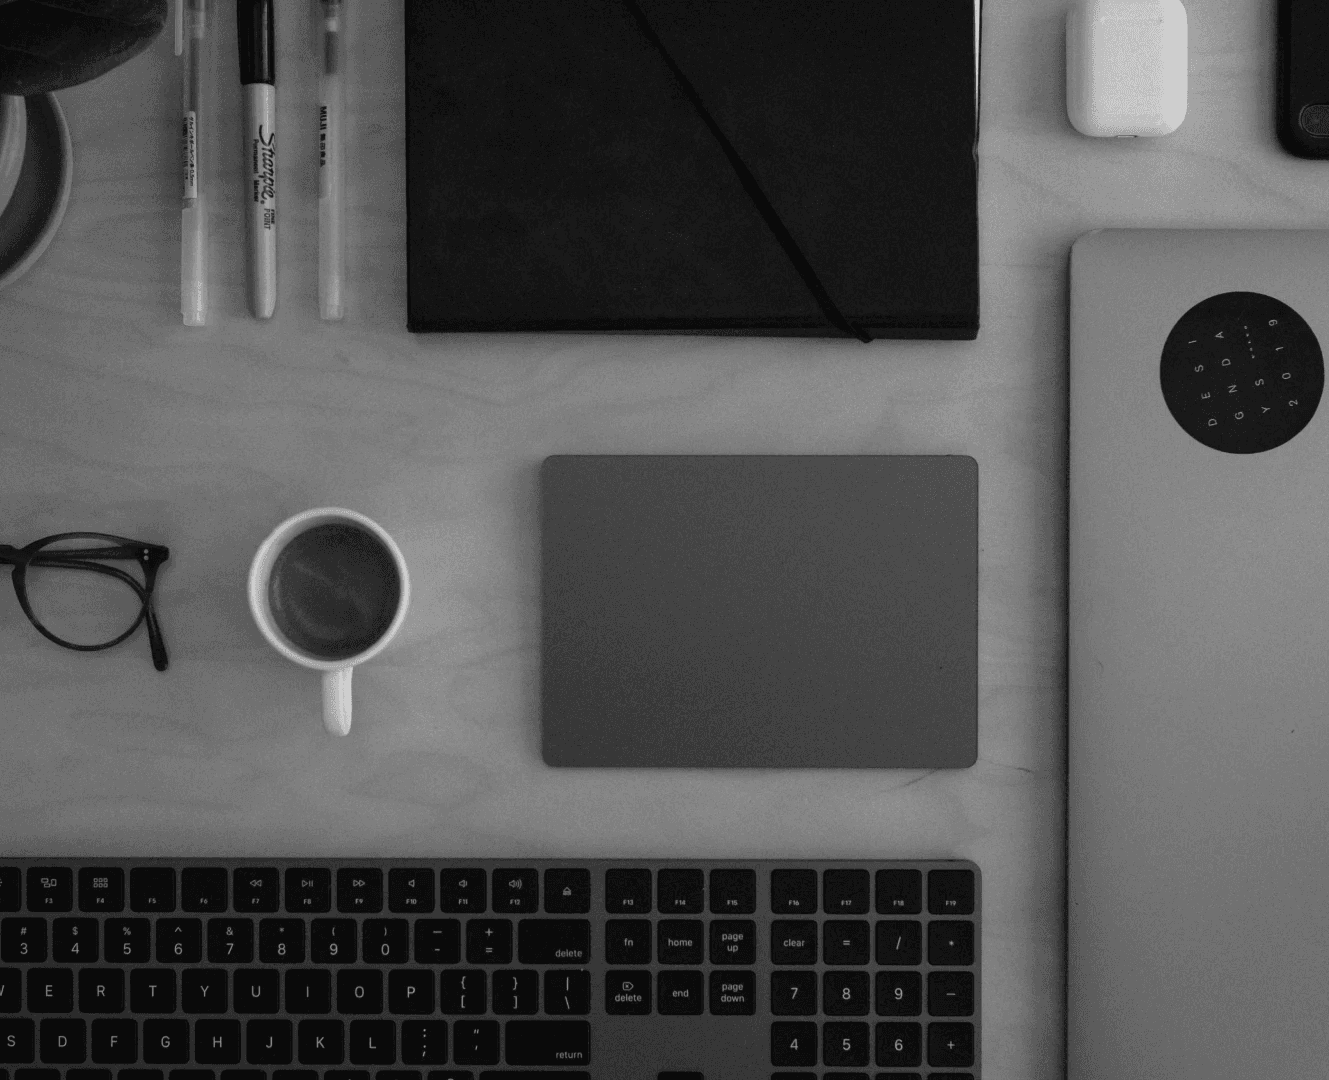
column 50, row 149
column 13, row 138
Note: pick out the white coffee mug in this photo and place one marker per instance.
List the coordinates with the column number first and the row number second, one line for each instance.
column 336, row 673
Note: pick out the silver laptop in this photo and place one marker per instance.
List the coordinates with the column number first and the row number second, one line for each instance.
column 1198, row 832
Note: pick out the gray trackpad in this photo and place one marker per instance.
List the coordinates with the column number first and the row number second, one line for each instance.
column 760, row 611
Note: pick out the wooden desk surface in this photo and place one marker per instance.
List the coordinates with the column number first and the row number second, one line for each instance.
column 114, row 417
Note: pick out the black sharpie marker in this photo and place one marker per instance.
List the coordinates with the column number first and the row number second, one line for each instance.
column 258, row 79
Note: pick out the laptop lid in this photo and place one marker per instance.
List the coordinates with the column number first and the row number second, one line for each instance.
column 1198, row 823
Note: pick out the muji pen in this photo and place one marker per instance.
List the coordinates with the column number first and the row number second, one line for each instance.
column 191, row 45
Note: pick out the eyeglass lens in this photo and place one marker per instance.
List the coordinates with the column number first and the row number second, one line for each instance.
column 82, row 605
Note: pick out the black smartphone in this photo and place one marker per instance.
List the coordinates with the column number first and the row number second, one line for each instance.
column 1303, row 77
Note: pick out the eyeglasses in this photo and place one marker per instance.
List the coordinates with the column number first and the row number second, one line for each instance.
column 92, row 610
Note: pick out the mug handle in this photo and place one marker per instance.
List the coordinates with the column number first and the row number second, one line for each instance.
column 337, row 700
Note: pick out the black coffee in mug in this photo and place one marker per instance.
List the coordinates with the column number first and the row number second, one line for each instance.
column 333, row 590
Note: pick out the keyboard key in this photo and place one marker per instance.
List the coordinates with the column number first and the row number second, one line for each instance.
column 281, row 941
column 733, row 941
column 217, row 1042
column 50, row 990
column 845, row 942
column 128, row 941
column 476, row 1042
column 516, row 891
column 899, row 1044
column 794, row 892
column 11, row 990
column 679, row 993
column 411, row 891
column 488, row 941
column 461, row 992
column 332, row 941
column 179, row 941
column 547, row 1042
column 950, row 943
column 567, row 891
column 424, row 1042
column 114, row 1042
column 257, row 888
column 230, row 941
column 680, row 892
column 258, row 990
column 462, row 890
column 845, row 993
column 628, row 993
column 308, row 890
column 83, row 1074
column 18, row 1041
column 152, row 888
column 516, row 992
column 899, row 944
column 950, row 1045
column 359, row 990
column 899, row 892
column 268, row 1042
column 845, row 892
column 50, row 888
column 679, row 941
column 152, row 990
column 203, row 888
column 320, row 1042
column 11, row 888
column 733, row 892
column 203, row 990
column 74, row 941
column 63, row 1042
column 793, row 941
column 951, row 892
column 373, row 1042
column 733, row 993
column 628, row 892
column 410, row 991
column 567, row 993
column 437, row 941
column 554, row 941
column 846, row 1044
column 794, row 993
column 330, row 1074
column 360, row 890
column 22, row 941
column 100, row 888
column 900, row 993
column 950, row 993
column 386, row 941
column 165, row 1042
column 628, row 941
column 309, row 990
column 793, row 1044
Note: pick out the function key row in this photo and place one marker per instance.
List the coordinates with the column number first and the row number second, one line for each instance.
column 566, row 890
column 307, row 890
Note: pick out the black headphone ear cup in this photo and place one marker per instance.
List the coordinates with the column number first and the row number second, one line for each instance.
column 51, row 46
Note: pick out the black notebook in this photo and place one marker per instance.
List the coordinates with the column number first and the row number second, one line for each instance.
column 745, row 166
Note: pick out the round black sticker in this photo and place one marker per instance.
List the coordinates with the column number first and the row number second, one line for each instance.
column 1242, row 372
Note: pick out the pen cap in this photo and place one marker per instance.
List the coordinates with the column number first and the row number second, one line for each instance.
column 254, row 29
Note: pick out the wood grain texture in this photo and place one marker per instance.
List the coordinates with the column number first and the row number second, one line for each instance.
column 114, row 417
